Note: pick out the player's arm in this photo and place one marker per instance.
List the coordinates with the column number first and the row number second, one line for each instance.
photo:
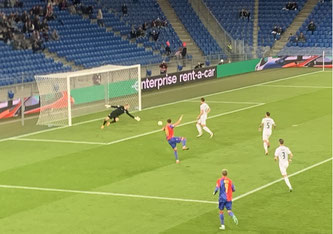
column 276, row 157
column 233, row 188
column 260, row 127
column 178, row 121
column 216, row 187
column 201, row 112
column 290, row 156
column 129, row 114
column 115, row 106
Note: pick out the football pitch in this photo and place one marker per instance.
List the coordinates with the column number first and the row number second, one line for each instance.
column 124, row 179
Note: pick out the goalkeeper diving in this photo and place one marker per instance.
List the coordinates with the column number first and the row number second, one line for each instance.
column 114, row 115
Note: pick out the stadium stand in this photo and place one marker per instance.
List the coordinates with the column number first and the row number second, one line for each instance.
column 271, row 14
column 227, row 13
column 195, row 27
column 138, row 13
column 89, row 45
column 320, row 40
column 21, row 65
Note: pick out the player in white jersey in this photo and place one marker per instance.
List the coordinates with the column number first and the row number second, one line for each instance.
column 284, row 155
column 267, row 124
column 202, row 117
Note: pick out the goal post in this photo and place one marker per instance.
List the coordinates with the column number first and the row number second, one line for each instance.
column 64, row 96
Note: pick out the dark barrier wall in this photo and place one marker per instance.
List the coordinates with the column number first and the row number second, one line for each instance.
column 236, row 68
column 178, row 78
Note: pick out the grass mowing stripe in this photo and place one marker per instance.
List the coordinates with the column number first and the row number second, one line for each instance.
column 167, row 104
column 157, row 197
column 136, row 136
column 298, row 86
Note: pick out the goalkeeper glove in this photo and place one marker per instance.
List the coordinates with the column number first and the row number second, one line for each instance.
column 137, row 118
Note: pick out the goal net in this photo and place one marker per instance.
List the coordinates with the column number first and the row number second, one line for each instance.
column 64, row 96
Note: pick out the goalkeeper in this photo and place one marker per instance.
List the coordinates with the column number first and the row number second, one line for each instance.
column 114, row 115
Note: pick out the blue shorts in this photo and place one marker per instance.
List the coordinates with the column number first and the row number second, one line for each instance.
column 226, row 204
column 173, row 141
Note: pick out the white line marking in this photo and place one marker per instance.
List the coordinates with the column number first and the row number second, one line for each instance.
column 156, row 197
column 60, row 141
column 298, row 86
column 228, row 102
column 132, row 137
column 162, row 105
column 277, row 181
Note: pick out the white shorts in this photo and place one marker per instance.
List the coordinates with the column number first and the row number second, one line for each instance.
column 202, row 120
column 266, row 136
column 283, row 168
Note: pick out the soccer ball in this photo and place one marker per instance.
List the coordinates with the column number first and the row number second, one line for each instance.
column 159, row 123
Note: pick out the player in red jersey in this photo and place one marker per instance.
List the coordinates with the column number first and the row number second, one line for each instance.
column 172, row 140
column 226, row 187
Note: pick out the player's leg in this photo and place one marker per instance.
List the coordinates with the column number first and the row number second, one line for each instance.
column 198, row 125
column 204, row 127
column 221, row 215
column 265, row 138
column 105, row 121
column 283, row 170
column 176, row 154
column 173, row 145
column 230, row 213
column 183, row 141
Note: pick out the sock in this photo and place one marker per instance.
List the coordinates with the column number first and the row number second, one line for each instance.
column 184, row 142
column 207, row 130
column 222, row 219
column 231, row 214
column 286, row 179
column 199, row 129
column 265, row 146
column 176, row 154
column 104, row 122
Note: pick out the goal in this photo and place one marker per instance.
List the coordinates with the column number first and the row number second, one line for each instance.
column 64, row 96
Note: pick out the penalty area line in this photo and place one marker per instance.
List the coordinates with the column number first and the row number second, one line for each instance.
column 157, row 197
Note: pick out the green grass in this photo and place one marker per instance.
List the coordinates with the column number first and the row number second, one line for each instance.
column 145, row 165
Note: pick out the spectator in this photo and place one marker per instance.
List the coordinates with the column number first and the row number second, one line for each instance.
column 155, row 35
column 55, row 35
column 301, row 38
column 124, row 9
column 311, row 27
column 292, row 6
column 37, row 46
column 45, row 34
column 140, row 32
column 133, row 33
column 184, row 50
column 99, row 17
column 277, row 31
column 292, row 38
column 62, row 4
column 163, row 68
column 167, row 48
column 199, row 65
column 144, row 26
column 244, row 14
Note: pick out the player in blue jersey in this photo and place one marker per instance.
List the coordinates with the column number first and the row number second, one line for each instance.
column 226, row 188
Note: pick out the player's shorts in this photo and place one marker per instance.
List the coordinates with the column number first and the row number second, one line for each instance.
column 113, row 116
column 266, row 136
column 202, row 120
column 226, row 204
column 283, row 168
column 173, row 141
